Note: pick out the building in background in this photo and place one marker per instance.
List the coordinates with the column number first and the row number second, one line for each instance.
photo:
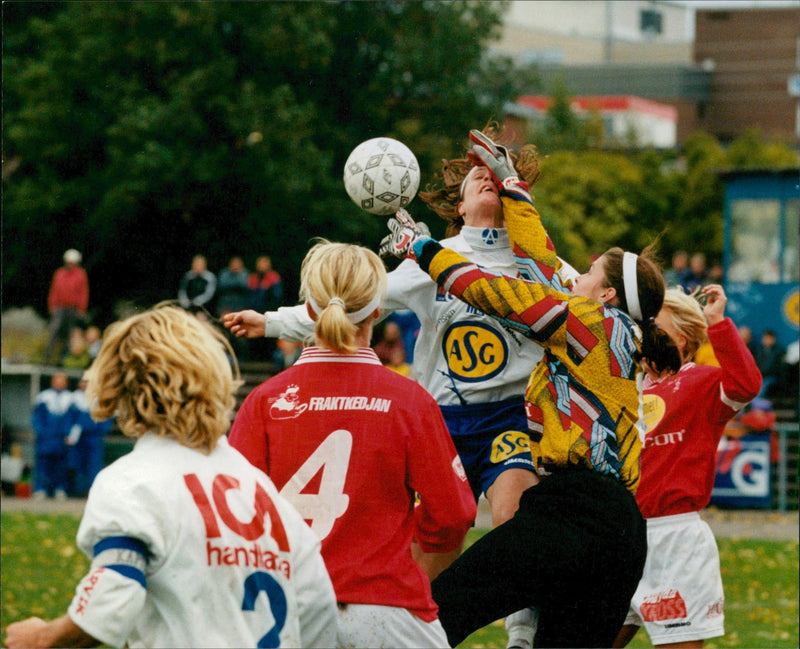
column 627, row 120
column 722, row 70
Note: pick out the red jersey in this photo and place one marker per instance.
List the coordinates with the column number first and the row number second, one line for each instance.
column 685, row 414
column 69, row 289
column 349, row 442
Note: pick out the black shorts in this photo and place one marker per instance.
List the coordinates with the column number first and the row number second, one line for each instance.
column 575, row 550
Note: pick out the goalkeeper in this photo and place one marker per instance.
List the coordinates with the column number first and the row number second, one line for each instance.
column 576, row 547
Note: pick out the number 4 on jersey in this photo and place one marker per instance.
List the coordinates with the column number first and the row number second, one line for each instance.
column 323, row 508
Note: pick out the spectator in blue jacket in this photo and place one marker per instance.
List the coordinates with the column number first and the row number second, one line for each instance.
column 51, row 421
column 85, row 442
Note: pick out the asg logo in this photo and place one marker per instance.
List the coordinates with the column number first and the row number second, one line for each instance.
column 508, row 445
column 489, row 236
column 474, row 351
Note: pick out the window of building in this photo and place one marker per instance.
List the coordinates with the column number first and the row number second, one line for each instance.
column 650, row 22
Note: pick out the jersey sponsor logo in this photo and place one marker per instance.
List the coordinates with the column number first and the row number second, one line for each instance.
column 666, row 605
column 508, row 444
column 654, row 409
column 715, row 609
column 289, row 405
column 474, row 351
column 217, row 509
column 350, row 403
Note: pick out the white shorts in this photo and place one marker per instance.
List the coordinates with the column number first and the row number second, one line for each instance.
column 367, row 625
column 680, row 596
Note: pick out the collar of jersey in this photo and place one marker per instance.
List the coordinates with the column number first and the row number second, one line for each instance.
column 474, row 237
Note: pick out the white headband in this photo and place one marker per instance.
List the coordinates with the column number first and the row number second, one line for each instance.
column 631, row 285
column 464, row 182
column 356, row 317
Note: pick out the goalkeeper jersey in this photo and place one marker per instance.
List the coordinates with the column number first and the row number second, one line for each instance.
column 583, row 398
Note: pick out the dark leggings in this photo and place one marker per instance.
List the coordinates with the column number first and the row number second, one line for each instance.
column 575, row 550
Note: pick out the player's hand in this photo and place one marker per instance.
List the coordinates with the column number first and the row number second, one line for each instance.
column 245, row 324
column 26, row 633
column 714, row 309
column 404, row 233
column 494, row 157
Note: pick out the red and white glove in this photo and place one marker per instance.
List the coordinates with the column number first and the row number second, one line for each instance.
column 405, row 232
column 496, row 159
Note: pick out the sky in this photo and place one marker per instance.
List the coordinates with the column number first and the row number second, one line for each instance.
column 711, row 4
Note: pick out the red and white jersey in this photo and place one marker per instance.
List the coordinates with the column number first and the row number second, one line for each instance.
column 196, row 550
column 685, row 415
column 349, row 442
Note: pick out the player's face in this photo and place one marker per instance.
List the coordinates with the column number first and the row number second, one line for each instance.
column 594, row 283
column 480, row 204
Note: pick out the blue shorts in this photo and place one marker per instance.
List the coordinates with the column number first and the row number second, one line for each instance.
column 490, row 438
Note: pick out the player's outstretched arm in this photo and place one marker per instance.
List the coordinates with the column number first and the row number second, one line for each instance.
column 245, row 324
column 36, row 632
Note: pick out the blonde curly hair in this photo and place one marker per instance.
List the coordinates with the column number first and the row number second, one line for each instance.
column 444, row 200
column 165, row 372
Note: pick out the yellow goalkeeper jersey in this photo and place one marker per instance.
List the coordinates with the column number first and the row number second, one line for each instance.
column 583, row 399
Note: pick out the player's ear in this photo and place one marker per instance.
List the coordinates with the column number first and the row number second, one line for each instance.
column 461, row 209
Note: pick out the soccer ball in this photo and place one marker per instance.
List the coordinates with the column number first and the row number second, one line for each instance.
column 381, row 175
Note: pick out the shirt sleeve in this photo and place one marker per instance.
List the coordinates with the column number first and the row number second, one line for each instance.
column 289, row 323
column 447, row 508
column 740, row 379
column 122, row 536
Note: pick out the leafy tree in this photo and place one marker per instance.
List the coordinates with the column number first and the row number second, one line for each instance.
column 143, row 133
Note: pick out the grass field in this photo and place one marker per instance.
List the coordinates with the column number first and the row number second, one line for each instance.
column 40, row 566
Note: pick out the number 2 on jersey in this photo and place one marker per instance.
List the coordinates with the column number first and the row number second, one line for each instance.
column 323, row 508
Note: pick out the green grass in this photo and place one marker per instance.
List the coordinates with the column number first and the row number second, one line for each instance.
column 40, row 567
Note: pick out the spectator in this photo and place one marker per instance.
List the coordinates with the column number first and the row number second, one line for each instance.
column 51, row 424
column 680, row 265
column 266, row 287
column 746, row 334
column 410, row 326
column 78, row 357
column 390, row 340
column 67, row 302
column 286, row 353
column 94, row 340
column 769, row 358
column 198, row 286
column 697, row 275
column 85, row 441
column 232, row 291
column 397, row 363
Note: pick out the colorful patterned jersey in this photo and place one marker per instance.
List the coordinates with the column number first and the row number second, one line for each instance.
column 583, row 398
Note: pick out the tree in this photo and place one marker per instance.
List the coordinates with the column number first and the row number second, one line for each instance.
column 143, row 133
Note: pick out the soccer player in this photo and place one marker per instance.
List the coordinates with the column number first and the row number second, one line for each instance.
column 680, row 599
column 576, row 547
column 350, row 443
column 191, row 546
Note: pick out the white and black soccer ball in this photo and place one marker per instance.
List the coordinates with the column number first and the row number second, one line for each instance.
column 381, row 175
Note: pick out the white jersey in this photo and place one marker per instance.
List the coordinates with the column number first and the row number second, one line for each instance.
column 194, row 550
column 462, row 356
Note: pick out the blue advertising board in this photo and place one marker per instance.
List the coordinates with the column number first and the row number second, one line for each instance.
column 743, row 476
